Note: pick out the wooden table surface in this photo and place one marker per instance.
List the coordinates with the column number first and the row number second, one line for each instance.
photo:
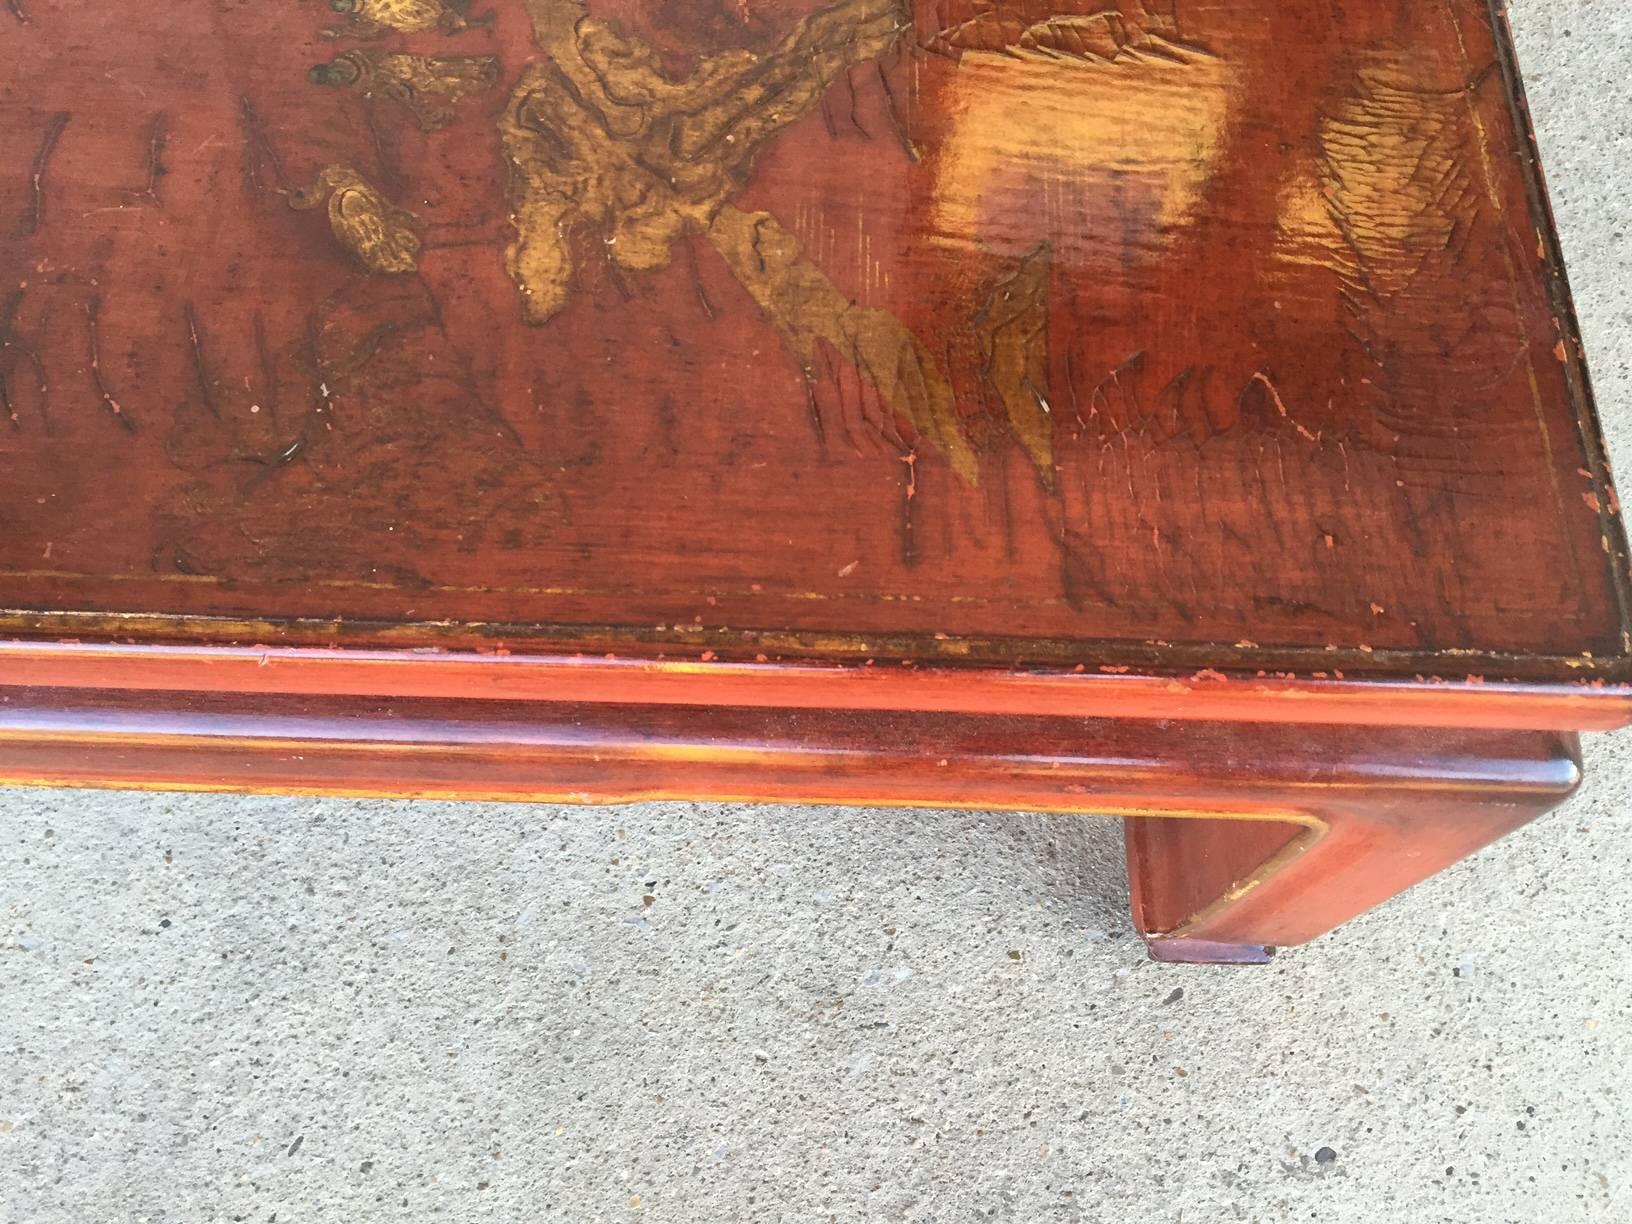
column 1188, row 358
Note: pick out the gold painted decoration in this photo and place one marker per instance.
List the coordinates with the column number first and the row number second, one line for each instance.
column 598, row 134
column 598, row 137
column 368, row 18
column 428, row 86
column 807, row 308
column 377, row 232
column 1012, row 328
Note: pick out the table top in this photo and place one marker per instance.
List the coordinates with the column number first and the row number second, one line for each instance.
column 1142, row 339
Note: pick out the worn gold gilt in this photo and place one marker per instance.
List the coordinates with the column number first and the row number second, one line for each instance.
column 368, row 17
column 376, row 231
column 598, row 135
column 428, row 86
column 599, row 139
column 807, row 308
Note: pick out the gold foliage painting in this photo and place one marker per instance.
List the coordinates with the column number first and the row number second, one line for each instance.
column 376, row 231
column 596, row 135
column 599, row 135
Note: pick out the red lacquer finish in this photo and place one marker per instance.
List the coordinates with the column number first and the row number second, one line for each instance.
column 1238, row 835
column 814, row 684
column 797, row 374
column 1208, row 883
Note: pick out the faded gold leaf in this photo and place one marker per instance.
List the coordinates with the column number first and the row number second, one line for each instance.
column 427, row 85
column 598, row 135
column 807, row 308
column 375, row 230
column 404, row 16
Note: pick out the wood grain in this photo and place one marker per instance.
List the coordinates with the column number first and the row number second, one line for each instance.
column 1169, row 338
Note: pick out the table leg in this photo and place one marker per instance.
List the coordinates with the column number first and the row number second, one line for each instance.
column 1222, row 891
column 1240, row 835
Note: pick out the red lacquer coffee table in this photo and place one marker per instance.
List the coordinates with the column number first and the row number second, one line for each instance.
column 1171, row 411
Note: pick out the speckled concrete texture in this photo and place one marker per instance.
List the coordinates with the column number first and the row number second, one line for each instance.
column 222, row 1009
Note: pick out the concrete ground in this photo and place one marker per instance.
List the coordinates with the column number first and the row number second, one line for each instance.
column 316, row 1010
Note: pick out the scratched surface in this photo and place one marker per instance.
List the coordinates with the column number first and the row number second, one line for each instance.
column 1000, row 329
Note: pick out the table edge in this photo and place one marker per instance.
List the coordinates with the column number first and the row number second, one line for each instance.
column 1205, row 694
